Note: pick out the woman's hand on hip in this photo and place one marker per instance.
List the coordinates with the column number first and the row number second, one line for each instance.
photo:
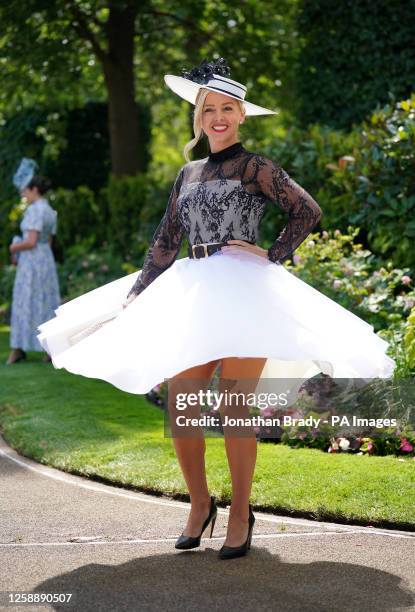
column 245, row 246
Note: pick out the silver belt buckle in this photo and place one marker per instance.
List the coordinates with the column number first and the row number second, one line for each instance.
column 204, row 245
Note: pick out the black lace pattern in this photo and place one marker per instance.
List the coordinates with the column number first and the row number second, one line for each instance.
column 223, row 197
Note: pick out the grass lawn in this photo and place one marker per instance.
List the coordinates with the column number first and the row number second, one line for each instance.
column 89, row 427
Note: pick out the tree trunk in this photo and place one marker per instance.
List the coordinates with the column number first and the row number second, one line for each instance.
column 119, row 78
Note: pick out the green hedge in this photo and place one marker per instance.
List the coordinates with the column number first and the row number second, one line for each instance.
column 352, row 56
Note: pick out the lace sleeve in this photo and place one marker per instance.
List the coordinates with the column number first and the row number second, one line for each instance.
column 303, row 211
column 165, row 243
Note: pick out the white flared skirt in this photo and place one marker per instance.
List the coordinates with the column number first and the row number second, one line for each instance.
column 231, row 304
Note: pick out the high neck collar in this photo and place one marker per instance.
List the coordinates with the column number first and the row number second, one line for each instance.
column 223, row 154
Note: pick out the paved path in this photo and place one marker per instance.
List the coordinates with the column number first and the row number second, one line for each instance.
column 113, row 549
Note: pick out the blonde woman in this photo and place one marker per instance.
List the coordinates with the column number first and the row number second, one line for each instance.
column 230, row 304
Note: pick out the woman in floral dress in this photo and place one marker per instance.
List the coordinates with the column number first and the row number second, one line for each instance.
column 36, row 293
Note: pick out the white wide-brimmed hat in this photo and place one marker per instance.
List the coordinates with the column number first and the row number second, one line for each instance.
column 212, row 76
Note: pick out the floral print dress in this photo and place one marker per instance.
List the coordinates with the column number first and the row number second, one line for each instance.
column 36, row 293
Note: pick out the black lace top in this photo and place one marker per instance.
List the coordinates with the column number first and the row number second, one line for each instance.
column 223, row 197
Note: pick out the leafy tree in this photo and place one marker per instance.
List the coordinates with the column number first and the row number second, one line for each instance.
column 71, row 51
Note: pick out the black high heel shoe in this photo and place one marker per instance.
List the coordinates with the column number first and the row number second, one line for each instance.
column 15, row 356
column 229, row 552
column 185, row 542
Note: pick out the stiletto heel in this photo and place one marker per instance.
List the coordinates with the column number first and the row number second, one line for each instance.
column 250, row 538
column 213, row 524
column 230, row 552
column 184, row 542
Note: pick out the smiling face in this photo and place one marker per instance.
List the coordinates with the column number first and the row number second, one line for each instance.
column 221, row 117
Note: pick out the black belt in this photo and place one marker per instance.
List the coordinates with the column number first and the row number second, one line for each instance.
column 196, row 251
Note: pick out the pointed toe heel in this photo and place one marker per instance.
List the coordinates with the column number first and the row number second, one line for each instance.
column 231, row 552
column 184, row 542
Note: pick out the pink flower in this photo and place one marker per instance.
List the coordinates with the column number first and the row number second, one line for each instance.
column 268, row 411
column 406, row 279
column 337, row 232
column 370, row 447
column 104, row 268
column 337, row 283
column 405, row 446
column 297, row 259
column 295, row 413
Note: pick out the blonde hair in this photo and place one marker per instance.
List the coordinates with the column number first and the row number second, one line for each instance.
column 197, row 121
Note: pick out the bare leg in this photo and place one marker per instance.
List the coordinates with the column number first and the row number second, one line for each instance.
column 241, row 450
column 190, row 450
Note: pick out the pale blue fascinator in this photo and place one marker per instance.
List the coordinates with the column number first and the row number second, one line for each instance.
column 24, row 173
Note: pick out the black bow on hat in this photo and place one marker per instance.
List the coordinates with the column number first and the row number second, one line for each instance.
column 202, row 73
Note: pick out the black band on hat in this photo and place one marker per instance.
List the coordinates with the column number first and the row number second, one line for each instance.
column 226, row 92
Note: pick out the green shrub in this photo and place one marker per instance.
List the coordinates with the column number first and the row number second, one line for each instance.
column 125, row 198
column 338, row 266
column 384, row 296
column 6, row 289
column 80, row 219
column 385, row 186
column 86, row 268
column 144, row 202
column 365, row 177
